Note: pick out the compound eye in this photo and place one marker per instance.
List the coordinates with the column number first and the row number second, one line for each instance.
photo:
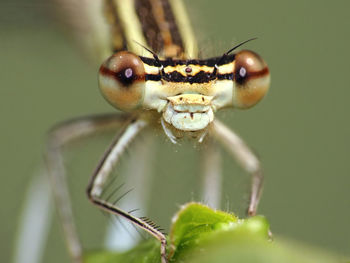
column 122, row 81
column 252, row 79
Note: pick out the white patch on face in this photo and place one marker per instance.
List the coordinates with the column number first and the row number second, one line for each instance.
column 186, row 109
column 154, row 96
column 223, row 90
column 188, row 121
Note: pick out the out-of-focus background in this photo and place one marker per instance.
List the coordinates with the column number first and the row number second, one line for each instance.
column 300, row 130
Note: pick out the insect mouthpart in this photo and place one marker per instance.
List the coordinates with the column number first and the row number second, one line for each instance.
column 189, row 112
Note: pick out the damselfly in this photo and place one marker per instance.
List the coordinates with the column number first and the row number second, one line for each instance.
column 166, row 88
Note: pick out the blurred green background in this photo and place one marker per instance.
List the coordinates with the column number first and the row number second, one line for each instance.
column 300, row 130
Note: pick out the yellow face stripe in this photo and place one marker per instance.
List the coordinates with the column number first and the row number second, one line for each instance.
column 153, row 70
column 226, row 68
column 182, row 69
column 194, row 69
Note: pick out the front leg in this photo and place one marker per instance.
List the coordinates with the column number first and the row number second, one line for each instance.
column 60, row 136
column 211, row 174
column 245, row 157
column 103, row 171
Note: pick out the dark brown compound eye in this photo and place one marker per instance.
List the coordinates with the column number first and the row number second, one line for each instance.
column 252, row 79
column 122, row 80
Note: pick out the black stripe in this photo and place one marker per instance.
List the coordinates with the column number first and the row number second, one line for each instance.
column 229, row 76
column 153, row 77
column 150, row 27
column 210, row 62
column 200, row 77
column 150, row 61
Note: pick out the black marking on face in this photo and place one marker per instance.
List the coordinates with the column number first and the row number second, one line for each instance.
column 200, row 77
column 229, row 76
column 153, row 77
column 210, row 62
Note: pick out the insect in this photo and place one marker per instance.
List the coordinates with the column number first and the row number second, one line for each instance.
column 165, row 88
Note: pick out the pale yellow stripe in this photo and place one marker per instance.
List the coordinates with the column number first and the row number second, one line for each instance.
column 195, row 69
column 132, row 27
column 226, row 68
column 184, row 25
column 151, row 69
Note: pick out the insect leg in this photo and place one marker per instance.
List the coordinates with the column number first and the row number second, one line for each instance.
column 58, row 137
column 35, row 221
column 103, row 171
column 245, row 157
column 121, row 236
column 211, row 173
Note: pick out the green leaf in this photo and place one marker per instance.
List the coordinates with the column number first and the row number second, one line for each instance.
column 196, row 223
column 202, row 235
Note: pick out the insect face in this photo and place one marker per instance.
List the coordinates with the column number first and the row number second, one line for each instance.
column 186, row 93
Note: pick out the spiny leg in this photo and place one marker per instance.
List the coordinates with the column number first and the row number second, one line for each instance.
column 58, row 137
column 138, row 175
column 245, row 157
column 103, row 171
column 211, row 174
